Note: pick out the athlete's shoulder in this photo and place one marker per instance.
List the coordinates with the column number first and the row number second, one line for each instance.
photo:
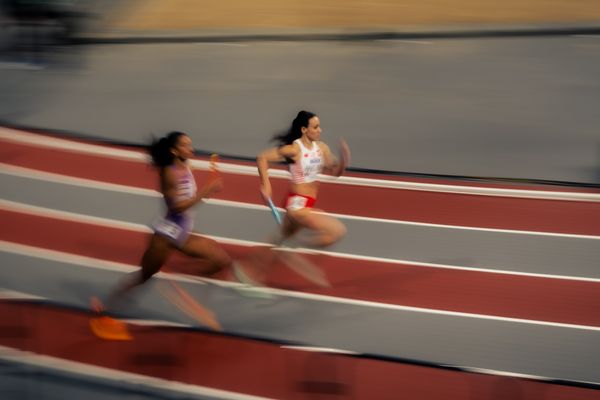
column 167, row 174
column 289, row 150
column 322, row 145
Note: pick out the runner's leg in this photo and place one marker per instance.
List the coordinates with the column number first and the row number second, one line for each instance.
column 209, row 250
column 217, row 259
column 327, row 230
column 154, row 257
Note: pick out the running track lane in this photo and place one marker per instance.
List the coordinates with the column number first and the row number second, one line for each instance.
column 58, row 140
column 558, row 216
column 533, row 298
column 253, row 367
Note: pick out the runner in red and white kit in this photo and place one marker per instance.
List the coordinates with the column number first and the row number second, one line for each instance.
column 307, row 156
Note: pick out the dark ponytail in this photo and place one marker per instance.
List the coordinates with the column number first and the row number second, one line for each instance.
column 295, row 131
column 160, row 150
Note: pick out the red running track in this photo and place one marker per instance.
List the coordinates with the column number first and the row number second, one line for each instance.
column 544, row 299
column 267, row 369
column 252, row 367
column 571, row 217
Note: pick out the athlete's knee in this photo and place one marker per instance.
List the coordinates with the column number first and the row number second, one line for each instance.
column 338, row 230
column 334, row 233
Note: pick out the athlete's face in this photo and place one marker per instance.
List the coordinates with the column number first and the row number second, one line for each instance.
column 183, row 149
column 313, row 131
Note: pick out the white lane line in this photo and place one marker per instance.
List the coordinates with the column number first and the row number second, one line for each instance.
column 117, row 377
column 154, row 322
column 315, row 349
column 495, row 372
column 452, row 267
column 105, row 151
column 22, row 137
column 73, row 217
column 74, row 367
column 116, row 224
column 94, row 263
column 14, row 295
column 476, row 370
column 29, row 173
column 8, row 169
column 11, row 351
column 462, row 227
column 7, row 294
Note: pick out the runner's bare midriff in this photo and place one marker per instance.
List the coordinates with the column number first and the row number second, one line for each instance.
column 305, row 189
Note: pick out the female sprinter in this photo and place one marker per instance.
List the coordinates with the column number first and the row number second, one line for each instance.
column 307, row 156
column 172, row 232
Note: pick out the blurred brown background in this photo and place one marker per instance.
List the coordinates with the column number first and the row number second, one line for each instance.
column 207, row 14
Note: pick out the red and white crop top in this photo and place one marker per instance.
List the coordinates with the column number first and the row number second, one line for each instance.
column 309, row 164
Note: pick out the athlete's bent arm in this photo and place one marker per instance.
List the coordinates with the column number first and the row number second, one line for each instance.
column 268, row 156
column 169, row 189
column 334, row 165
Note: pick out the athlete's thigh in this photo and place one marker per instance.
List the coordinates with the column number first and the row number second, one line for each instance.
column 290, row 226
column 298, row 218
column 156, row 254
column 202, row 247
column 321, row 222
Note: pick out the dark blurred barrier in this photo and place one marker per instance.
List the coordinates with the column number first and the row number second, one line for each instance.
column 32, row 29
column 66, row 17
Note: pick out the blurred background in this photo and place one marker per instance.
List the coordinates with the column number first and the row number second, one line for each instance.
column 498, row 91
column 470, row 88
